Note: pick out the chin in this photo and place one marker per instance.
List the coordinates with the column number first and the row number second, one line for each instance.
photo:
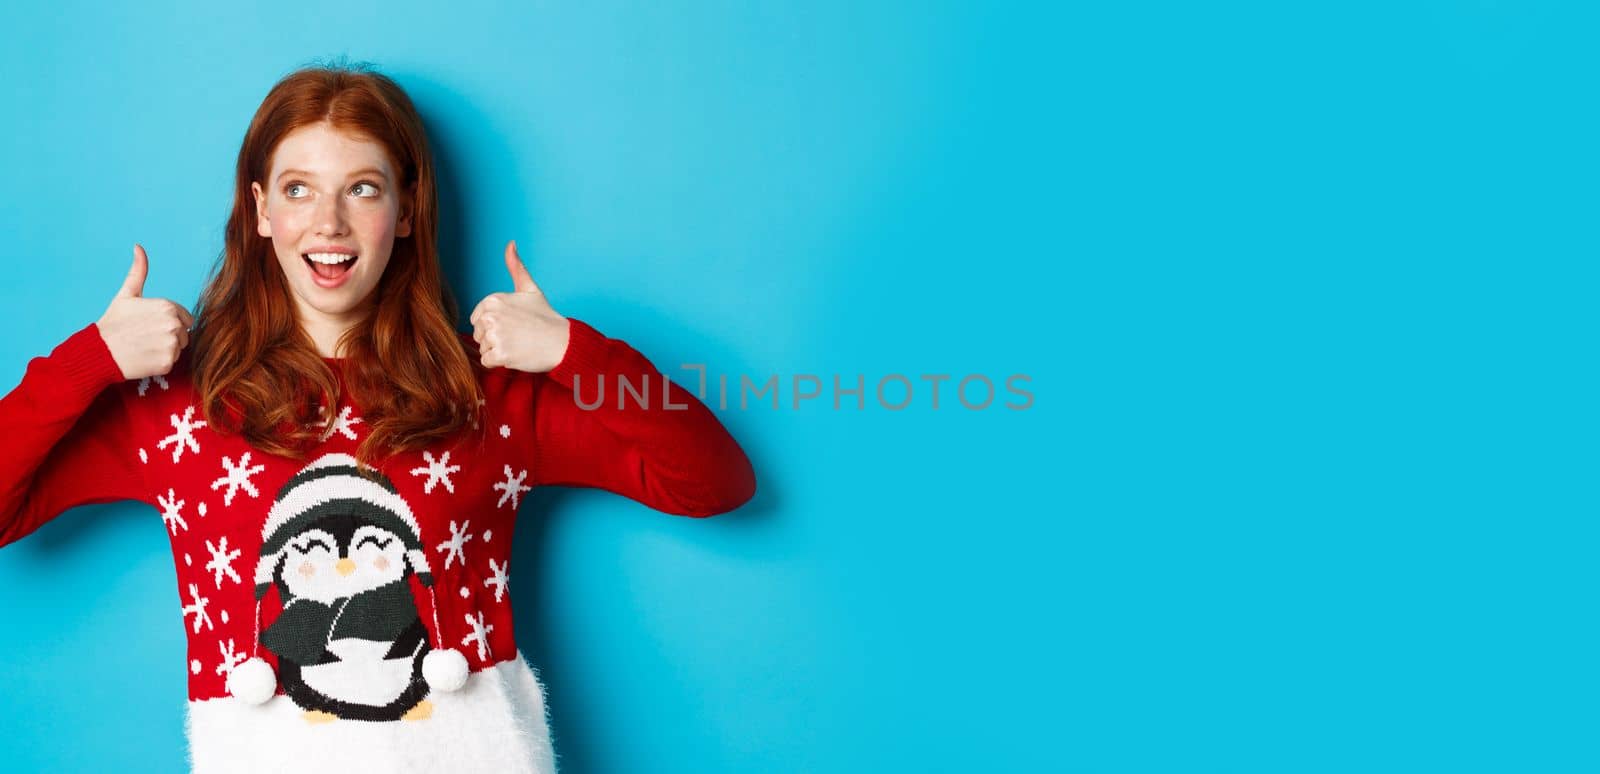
column 319, row 300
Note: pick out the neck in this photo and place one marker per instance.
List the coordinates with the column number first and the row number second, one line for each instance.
column 325, row 329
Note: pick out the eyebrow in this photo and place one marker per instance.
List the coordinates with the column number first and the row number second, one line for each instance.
column 357, row 173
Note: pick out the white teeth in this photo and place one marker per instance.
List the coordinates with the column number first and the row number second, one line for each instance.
column 329, row 257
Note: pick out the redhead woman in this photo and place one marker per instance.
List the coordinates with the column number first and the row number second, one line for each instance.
column 337, row 466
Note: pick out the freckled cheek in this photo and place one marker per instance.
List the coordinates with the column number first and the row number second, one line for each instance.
column 288, row 233
column 288, row 221
column 376, row 228
column 307, row 569
column 382, row 563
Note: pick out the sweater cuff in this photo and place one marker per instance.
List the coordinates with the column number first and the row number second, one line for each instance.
column 86, row 362
column 586, row 354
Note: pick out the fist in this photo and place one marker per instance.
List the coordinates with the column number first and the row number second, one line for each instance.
column 144, row 335
column 519, row 330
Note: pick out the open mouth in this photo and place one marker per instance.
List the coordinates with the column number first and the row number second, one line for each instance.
column 330, row 266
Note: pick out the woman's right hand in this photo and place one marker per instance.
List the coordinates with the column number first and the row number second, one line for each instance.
column 145, row 335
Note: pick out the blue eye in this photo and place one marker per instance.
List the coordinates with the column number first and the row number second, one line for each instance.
column 290, row 187
column 369, row 185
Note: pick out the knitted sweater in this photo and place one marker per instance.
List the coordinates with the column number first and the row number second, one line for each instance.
column 341, row 595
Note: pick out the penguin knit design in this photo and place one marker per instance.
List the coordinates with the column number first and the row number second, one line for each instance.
column 343, row 614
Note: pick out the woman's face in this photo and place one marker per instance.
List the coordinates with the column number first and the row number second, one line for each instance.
column 332, row 196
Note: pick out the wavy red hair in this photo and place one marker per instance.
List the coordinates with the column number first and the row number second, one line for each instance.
column 257, row 372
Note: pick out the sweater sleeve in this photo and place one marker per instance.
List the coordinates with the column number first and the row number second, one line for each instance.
column 67, row 436
column 673, row 455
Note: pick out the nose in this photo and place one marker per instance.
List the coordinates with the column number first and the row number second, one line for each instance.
column 330, row 216
column 345, row 566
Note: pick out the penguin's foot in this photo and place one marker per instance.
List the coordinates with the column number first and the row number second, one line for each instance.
column 422, row 711
column 318, row 716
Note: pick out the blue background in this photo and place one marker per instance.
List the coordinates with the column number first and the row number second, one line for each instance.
column 1305, row 291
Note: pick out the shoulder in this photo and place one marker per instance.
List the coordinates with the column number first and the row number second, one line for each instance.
column 184, row 366
column 470, row 346
column 468, row 343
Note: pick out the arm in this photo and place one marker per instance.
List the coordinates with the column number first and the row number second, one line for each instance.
column 67, row 437
column 680, row 461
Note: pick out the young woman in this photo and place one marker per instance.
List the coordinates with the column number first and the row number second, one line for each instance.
column 338, row 468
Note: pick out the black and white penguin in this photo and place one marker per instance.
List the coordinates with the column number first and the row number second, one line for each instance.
column 340, row 548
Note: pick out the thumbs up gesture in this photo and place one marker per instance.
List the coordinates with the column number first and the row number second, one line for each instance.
column 145, row 335
column 519, row 329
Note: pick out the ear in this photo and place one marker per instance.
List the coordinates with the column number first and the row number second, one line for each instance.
column 407, row 206
column 263, row 226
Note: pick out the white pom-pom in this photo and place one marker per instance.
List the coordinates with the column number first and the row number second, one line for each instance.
column 253, row 681
column 445, row 670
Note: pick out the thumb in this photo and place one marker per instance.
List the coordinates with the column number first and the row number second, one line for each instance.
column 521, row 280
column 133, row 285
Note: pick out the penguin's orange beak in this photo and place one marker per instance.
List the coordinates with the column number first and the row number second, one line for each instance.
column 345, row 566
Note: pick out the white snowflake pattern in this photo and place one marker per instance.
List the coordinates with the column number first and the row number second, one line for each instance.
column 237, row 477
column 438, row 471
column 230, row 658
column 222, row 561
column 144, row 384
column 171, row 511
column 183, row 434
column 479, row 634
column 344, row 424
column 512, row 487
column 505, row 431
column 197, row 608
column 498, row 578
column 453, row 547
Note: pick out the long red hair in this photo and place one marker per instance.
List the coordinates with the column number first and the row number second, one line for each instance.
column 407, row 367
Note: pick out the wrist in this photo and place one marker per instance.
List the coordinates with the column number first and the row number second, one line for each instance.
column 585, row 353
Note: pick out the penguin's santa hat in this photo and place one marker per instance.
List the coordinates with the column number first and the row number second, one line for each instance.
column 331, row 478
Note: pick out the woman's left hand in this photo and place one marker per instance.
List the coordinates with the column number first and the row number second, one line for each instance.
column 519, row 330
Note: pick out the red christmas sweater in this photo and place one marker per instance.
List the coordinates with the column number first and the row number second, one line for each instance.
column 347, row 584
